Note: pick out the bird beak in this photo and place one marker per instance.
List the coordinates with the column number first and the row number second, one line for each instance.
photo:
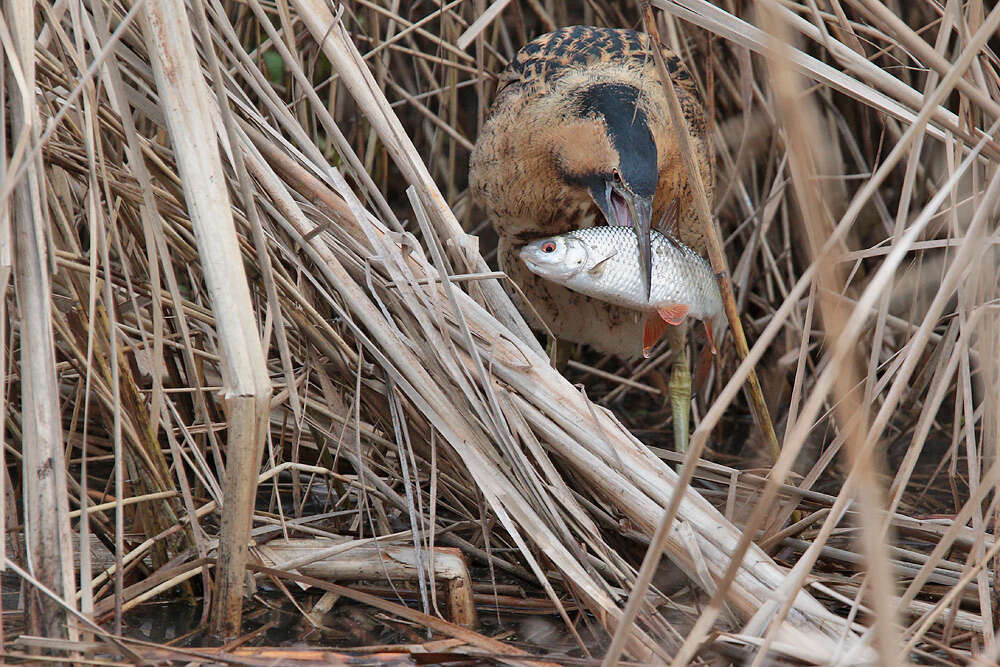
column 631, row 210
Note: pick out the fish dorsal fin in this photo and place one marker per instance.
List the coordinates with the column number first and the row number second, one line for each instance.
column 655, row 326
column 596, row 269
column 669, row 224
column 673, row 314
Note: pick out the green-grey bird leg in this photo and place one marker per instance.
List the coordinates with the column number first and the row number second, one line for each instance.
column 680, row 386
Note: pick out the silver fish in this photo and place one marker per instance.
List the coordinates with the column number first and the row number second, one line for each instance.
column 603, row 263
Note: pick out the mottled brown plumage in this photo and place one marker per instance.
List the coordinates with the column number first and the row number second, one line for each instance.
column 579, row 133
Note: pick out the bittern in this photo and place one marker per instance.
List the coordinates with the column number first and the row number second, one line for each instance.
column 579, row 135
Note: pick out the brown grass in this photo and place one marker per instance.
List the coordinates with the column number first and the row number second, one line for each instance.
column 409, row 405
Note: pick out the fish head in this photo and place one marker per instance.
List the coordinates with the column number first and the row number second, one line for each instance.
column 557, row 258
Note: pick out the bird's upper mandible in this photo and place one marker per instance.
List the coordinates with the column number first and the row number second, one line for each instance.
column 579, row 132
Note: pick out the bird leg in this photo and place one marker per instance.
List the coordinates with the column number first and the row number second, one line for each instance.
column 680, row 387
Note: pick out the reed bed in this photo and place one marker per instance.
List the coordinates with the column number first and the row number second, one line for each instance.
column 248, row 300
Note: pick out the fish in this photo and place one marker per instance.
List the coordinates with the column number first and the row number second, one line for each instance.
column 603, row 263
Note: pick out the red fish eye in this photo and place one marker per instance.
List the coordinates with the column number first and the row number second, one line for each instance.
column 548, row 246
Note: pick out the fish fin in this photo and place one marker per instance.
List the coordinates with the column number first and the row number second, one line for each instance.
column 670, row 221
column 711, row 338
column 655, row 326
column 674, row 313
column 599, row 267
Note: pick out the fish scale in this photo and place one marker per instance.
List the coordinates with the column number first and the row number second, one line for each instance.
column 603, row 263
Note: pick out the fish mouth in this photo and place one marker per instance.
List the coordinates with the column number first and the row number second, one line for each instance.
column 532, row 265
column 554, row 271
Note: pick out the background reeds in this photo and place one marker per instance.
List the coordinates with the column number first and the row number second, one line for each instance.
column 295, row 283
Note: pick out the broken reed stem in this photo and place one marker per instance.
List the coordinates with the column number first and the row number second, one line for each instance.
column 359, row 560
column 187, row 110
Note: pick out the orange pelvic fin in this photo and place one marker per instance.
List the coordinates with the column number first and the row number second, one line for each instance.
column 673, row 314
column 655, row 326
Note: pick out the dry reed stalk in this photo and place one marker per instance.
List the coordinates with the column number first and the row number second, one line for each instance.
column 897, row 100
column 46, row 521
column 375, row 562
column 518, row 359
column 6, row 269
column 188, row 114
column 800, row 120
column 944, row 287
column 971, row 50
column 494, row 646
column 425, row 394
column 760, row 411
column 462, row 248
column 420, row 418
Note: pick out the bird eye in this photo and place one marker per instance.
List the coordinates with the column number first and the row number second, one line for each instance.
column 548, row 246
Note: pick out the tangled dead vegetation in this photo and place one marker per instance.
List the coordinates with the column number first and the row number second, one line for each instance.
column 241, row 228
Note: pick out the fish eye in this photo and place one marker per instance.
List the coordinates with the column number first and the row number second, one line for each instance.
column 548, row 246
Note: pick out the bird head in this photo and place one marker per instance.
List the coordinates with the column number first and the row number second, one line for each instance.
column 612, row 154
